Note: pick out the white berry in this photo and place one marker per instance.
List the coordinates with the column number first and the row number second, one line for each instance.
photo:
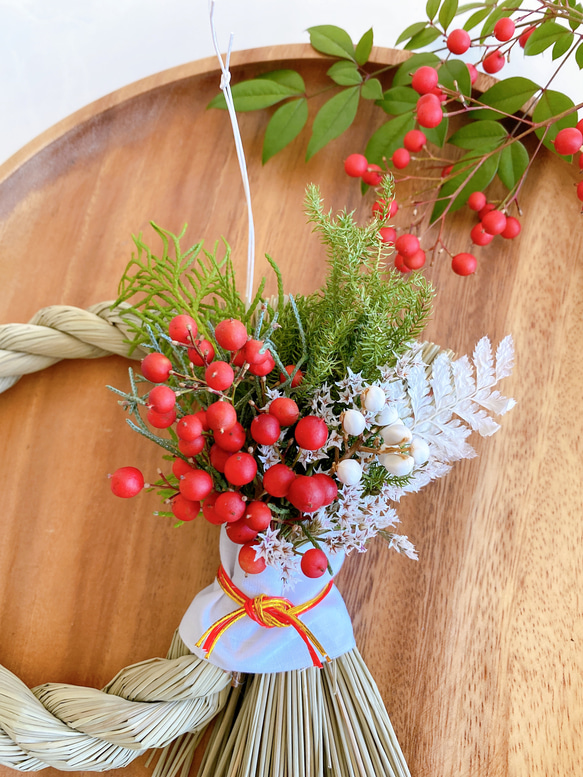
column 349, row 472
column 388, row 415
column 353, row 422
column 396, row 434
column 373, row 398
column 419, row 450
column 398, row 464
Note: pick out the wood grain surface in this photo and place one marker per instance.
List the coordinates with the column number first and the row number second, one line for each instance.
column 477, row 647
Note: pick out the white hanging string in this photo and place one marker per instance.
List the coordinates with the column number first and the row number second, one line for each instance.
column 226, row 89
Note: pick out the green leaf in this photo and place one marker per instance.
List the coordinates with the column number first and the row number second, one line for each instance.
column 398, row 100
column 431, row 8
column 476, row 18
column 552, row 104
column 285, row 124
column 345, row 73
column 455, row 71
column 579, row 56
column 543, row 37
column 372, row 89
column 403, row 74
column 513, row 163
column 363, row 47
column 508, row 96
column 254, row 95
column 437, row 135
column 479, row 134
column 388, row 137
column 481, row 170
column 574, row 23
column 290, row 78
column 333, row 118
column 563, row 44
column 332, row 40
column 410, row 31
column 447, row 12
column 423, row 38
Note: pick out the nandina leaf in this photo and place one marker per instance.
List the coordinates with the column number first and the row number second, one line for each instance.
column 372, row 89
column 431, row 8
column 507, row 96
column 333, row 118
column 255, row 94
column 477, row 171
column 400, row 99
column 389, row 137
column 363, row 47
column 345, row 73
column 437, row 135
column 285, row 124
column 574, row 23
column 563, row 44
column 513, row 163
column 423, row 38
column 579, row 56
column 410, row 31
column 289, row 78
column 453, row 72
column 543, row 37
column 404, row 73
column 447, row 12
column 332, row 40
column 552, row 104
column 476, row 18
column 479, row 134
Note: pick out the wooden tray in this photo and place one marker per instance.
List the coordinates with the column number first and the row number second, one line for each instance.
column 477, row 648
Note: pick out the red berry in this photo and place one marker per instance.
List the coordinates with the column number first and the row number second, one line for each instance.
column 429, row 112
column 221, row 415
column 311, row 433
column 414, row 140
column 231, row 439
column 580, row 126
column 355, row 165
column 258, row 515
column 473, row 73
column 285, row 410
column 314, row 563
column 183, row 329
column 479, row 237
column 201, row 415
column 407, row 245
column 441, row 96
column 580, row 190
column 464, row 264
column 203, row 354
column 504, row 29
column 218, row 457
column 512, row 228
column 161, row 420
column 208, row 510
column 494, row 62
column 189, row 427
column 263, row 368
column 185, row 509
column 388, row 234
column 400, row 264
column 424, row 79
column 458, row 41
column 476, row 201
column 525, row 36
column 489, row 206
column 568, row 141
column 230, row 506
column 445, row 171
column 219, row 376
column 196, row 485
column 253, row 352
column 380, row 209
column 191, row 447
column 401, row 158
column 240, row 469
column 240, row 532
column 248, row 560
column 581, row 162
column 156, row 367
column 277, row 479
column 297, row 378
column 181, row 467
column 231, row 334
column 373, row 175
column 416, row 261
column 328, row 485
column 265, row 429
column 162, row 399
column 494, row 222
column 306, row 494
column 127, row 482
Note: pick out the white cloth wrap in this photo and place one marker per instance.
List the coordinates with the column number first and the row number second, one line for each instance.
column 248, row 647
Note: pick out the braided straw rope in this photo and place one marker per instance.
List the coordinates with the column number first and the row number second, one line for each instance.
column 63, row 332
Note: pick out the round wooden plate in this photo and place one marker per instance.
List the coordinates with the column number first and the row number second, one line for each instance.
column 477, row 647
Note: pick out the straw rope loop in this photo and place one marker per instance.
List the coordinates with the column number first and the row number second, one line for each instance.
column 267, row 611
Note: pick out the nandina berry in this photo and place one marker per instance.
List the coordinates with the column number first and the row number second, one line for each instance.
column 156, row 367
column 311, row 433
column 238, row 359
column 445, row 171
column 414, row 140
column 525, row 36
column 183, row 329
column 185, row 509
column 473, row 73
column 407, row 244
column 248, row 560
column 161, row 420
column 202, row 353
column 401, row 158
column 265, row 429
column 201, row 415
column 494, row 62
column 441, row 96
column 512, row 228
column 489, row 206
column 429, row 111
column 181, row 467
column 231, row 334
column 219, row 375
column 424, row 79
column 240, row 532
column 196, row 485
column 579, row 126
column 380, row 209
column 255, row 351
column 504, row 29
column 192, row 447
column 458, row 41
column 328, row 486
column 400, row 264
column 479, row 237
column 189, row 427
column 476, row 201
column 221, row 415
column 277, row 479
column 581, row 162
column 264, row 367
column 218, row 457
column 373, row 175
column 162, row 399
column 258, row 515
column 494, row 222
column 231, row 439
column 314, row 563
column 127, row 482
column 388, row 234
column 306, row 494
column 230, row 506
column 285, row 410
column 416, row 261
column 464, row 264
column 240, row 469
column 297, row 378
column 355, row 165
column 568, row 141
column 580, row 190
